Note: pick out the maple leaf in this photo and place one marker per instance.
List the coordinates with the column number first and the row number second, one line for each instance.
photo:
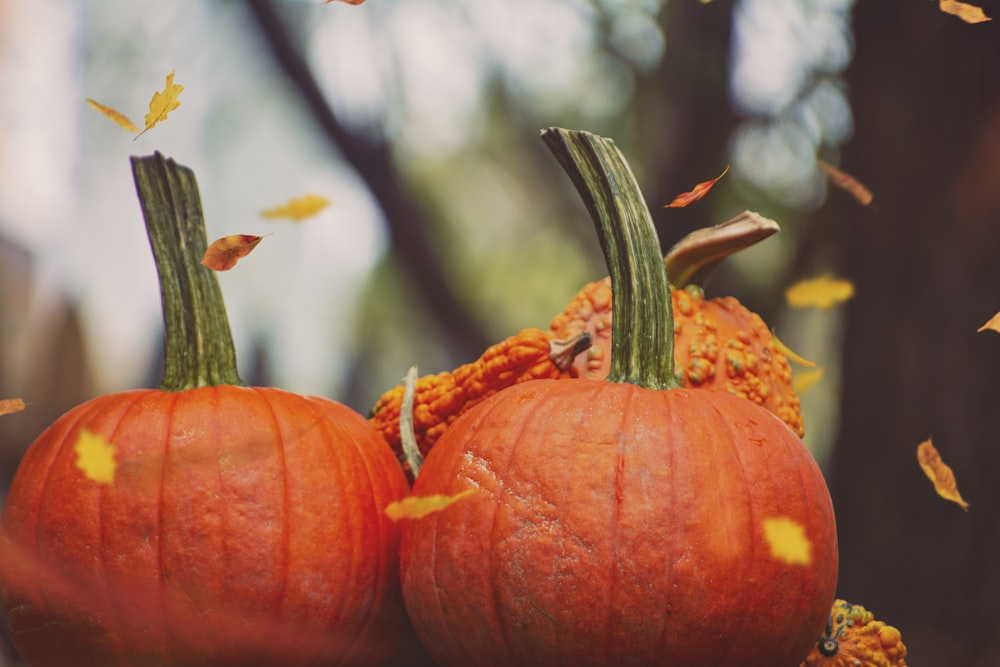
column 792, row 356
column 9, row 406
column 993, row 324
column 117, row 116
column 298, row 209
column 162, row 103
column 940, row 473
column 222, row 254
column 846, row 182
column 95, row 456
column 823, row 292
column 417, row 507
column 966, row 12
column 697, row 193
column 803, row 381
column 787, row 539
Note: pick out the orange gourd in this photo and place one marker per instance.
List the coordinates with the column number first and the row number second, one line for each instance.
column 242, row 525
column 620, row 521
column 853, row 638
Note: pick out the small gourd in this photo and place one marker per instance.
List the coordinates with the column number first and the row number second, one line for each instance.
column 853, row 638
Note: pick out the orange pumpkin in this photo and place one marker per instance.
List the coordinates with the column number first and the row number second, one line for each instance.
column 853, row 638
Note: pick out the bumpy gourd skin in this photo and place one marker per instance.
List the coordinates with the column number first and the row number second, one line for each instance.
column 530, row 354
column 718, row 343
column 853, row 638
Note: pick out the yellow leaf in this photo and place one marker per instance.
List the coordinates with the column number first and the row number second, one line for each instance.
column 298, row 209
column 993, row 324
column 417, row 507
column 95, row 456
column 788, row 541
column 118, row 117
column 222, row 254
column 939, row 473
column 163, row 103
column 823, row 292
column 803, row 381
column 846, row 182
column 792, row 356
column 9, row 406
column 966, row 12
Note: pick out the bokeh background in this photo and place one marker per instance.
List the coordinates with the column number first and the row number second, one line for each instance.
column 451, row 226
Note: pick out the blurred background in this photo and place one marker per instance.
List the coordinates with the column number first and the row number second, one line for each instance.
column 451, row 226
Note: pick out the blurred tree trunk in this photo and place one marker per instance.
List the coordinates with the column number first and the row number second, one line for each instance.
column 925, row 259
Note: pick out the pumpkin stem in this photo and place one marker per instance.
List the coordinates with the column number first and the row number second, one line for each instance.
column 642, row 329
column 199, row 345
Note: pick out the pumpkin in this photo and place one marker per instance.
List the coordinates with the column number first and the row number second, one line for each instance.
column 241, row 525
column 718, row 343
column 623, row 521
column 853, row 638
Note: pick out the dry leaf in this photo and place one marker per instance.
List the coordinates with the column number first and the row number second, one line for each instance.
column 223, row 253
column 417, row 507
column 792, row 356
column 298, row 209
column 966, row 12
column 848, row 183
column 95, row 456
column 824, row 292
column 939, row 473
column 9, row 406
column 788, row 541
column 697, row 193
column 993, row 324
column 163, row 103
column 118, row 117
column 803, row 381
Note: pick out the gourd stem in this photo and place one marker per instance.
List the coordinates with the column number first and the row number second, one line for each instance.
column 198, row 344
column 642, row 331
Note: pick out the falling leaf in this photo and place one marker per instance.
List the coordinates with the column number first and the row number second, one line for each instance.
column 9, row 406
column 118, row 117
column 788, row 541
column 298, row 209
column 95, row 456
column 993, row 324
column 939, row 473
column 966, row 12
column 223, row 253
column 805, row 380
column 417, row 507
column 792, row 356
column 697, row 193
column 349, row 2
column 846, row 182
column 163, row 103
column 823, row 292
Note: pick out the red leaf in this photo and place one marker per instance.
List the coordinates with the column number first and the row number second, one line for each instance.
column 697, row 193
column 223, row 253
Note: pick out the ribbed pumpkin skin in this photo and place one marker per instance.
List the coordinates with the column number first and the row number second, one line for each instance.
column 244, row 526
column 616, row 525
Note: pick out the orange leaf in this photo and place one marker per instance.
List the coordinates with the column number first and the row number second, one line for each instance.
column 939, row 473
column 350, row 2
column 823, row 292
column 417, row 507
column 223, row 253
column 95, row 456
column 298, row 209
column 163, row 103
column 788, row 541
column 846, row 182
column 697, row 193
column 117, row 116
column 9, row 406
column 966, row 12
column 993, row 324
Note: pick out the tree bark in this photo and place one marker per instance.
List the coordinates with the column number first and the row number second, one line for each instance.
column 925, row 260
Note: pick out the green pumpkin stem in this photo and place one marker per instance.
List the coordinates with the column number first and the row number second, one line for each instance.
column 199, row 344
column 642, row 329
